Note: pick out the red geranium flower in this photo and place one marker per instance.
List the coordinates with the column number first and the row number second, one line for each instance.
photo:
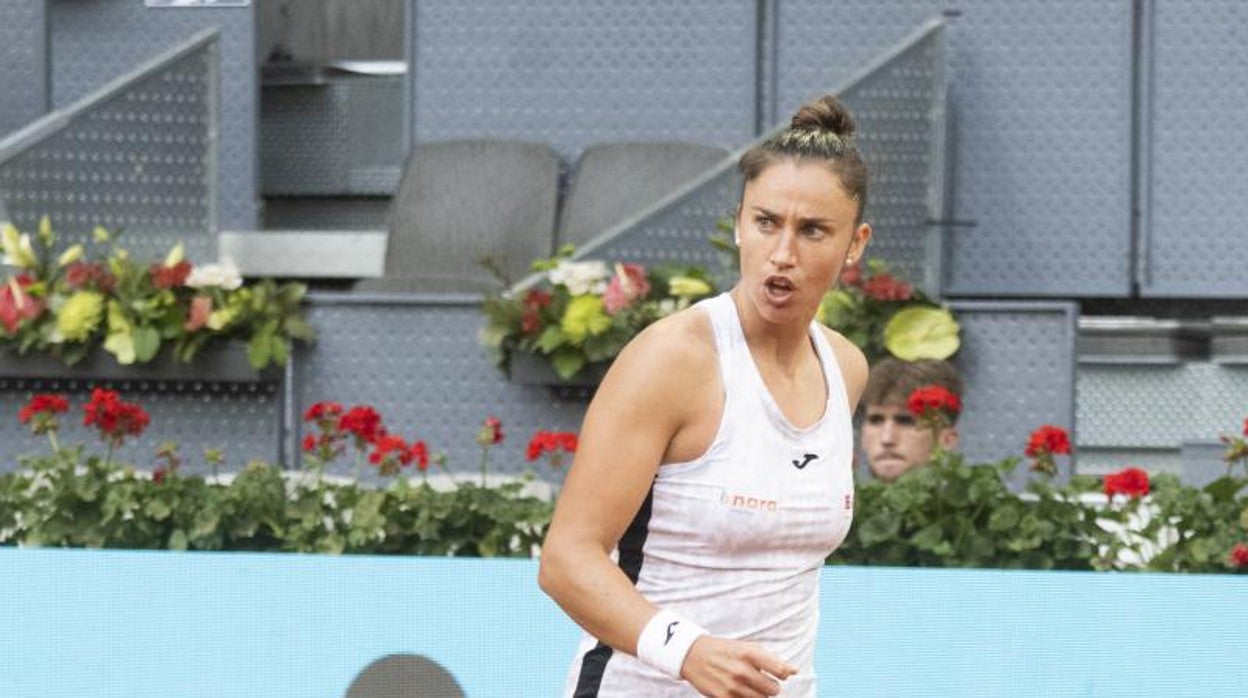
column 420, row 454
column 114, row 418
column 41, row 412
column 323, row 410
column 390, row 454
column 170, row 277
column 1239, row 555
column 158, row 475
column 531, row 319
column 364, row 422
column 935, row 406
column 43, row 403
column 1048, row 439
column 80, row 275
column 885, row 287
column 1246, row 427
column 1132, row 482
column 556, row 443
column 309, row 443
column 1046, row 442
column 491, row 432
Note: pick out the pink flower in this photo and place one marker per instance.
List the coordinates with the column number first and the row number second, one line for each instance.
column 628, row 284
column 201, row 308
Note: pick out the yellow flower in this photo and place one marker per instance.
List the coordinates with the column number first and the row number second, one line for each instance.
column 688, row 287
column 80, row 315
column 176, row 255
column 45, row 230
column 101, row 234
column 17, row 248
column 70, row 256
column 219, row 319
column 584, row 317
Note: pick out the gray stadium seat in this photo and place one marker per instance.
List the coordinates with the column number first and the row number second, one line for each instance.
column 461, row 201
column 616, row 181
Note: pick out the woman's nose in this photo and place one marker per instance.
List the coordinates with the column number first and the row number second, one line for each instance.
column 782, row 254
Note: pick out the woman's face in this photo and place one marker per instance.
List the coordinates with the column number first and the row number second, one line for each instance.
column 795, row 229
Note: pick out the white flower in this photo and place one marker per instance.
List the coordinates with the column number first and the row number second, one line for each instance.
column 18, row 251
column 581, row 277
column 224, row 275
column 667, row 306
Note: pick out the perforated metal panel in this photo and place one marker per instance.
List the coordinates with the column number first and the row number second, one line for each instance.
column 1017, row 362
column 676, row 232
column 1160, row 407
column 344, row 137
column 23, row 53
column 1042, row 97
column 242, row 419
column 1198, row 192
column 899, row 108
column 572, row 74
column 93, row 42
column 418, row 362
column 138, row 158
column 900, row 111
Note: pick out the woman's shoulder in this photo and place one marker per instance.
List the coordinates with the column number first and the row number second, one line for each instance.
column 682, row 338
column 852, row 361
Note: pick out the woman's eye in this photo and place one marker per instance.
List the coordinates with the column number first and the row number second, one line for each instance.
column 813, row 232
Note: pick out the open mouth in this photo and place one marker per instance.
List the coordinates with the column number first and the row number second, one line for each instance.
column 779, row 287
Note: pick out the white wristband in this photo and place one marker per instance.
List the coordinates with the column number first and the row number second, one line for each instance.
column 666, row 640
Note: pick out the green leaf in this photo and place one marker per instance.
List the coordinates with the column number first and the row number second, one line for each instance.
column 260, row 350
column 922, row 332
column 146, row 344
column 281, row 351
column 298, row 328
column 157, row 509
column 1003, row 519
column 551, row 339
column 929, row 537
column 567, row 362
column 878, row 529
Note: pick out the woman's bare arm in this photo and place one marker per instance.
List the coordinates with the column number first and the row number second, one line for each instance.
column 637, row 410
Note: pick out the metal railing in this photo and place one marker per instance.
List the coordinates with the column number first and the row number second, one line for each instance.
column 136, row 155
column 899, row 104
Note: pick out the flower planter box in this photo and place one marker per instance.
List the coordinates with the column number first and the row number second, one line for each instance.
column 225, row 363
column 529, row 369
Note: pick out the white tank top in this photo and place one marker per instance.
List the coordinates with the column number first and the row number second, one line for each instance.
column 734, row 540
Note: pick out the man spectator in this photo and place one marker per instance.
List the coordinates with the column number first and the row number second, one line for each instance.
column 891, row 437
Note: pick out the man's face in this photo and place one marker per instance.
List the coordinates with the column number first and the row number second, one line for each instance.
column 894, row 442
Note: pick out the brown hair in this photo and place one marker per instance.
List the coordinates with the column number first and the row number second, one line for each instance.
column 892, row 380
column 821, row 130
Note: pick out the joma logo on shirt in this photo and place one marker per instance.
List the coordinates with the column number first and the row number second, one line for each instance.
column 741, row 501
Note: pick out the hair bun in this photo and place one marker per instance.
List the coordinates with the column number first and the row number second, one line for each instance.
column 824, row 114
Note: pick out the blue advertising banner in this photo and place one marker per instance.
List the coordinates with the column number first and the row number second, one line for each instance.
column 115, row 623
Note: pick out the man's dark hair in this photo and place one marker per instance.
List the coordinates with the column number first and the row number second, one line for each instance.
column 892, row 380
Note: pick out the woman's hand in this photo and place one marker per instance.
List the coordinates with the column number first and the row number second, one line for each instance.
column 723, row 668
